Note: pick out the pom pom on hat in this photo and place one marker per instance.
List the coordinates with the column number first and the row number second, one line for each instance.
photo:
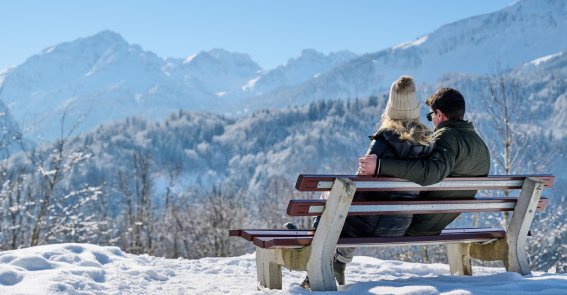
column 402, row 103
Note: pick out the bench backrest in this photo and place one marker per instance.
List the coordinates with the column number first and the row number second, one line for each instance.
column 311, row 182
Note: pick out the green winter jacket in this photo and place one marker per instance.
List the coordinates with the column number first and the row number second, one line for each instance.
column 459, row 152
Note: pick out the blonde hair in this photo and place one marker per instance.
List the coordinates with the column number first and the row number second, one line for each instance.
column 409, row 130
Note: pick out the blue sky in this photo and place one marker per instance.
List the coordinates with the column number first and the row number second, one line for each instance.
column 270, row 31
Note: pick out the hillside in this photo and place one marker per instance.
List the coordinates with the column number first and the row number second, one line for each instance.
column 517, row 34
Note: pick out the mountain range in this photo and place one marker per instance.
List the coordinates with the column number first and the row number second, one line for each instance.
column 102, row 78
column 76, row 86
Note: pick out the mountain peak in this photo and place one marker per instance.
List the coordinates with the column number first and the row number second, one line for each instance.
column 108, row 35
column 313, row 56
column 310, row 63
column 103, row 40
column 221, row 53
column 310, row 52
column 218, row 55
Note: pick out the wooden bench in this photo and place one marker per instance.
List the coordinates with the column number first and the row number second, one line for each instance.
column 313, row 250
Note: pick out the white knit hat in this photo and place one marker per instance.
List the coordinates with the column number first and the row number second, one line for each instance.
column 402, row 103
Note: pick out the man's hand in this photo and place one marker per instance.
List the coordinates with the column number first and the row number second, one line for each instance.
column 367, row 165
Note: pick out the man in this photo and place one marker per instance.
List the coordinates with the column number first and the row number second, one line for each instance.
column 459, row 152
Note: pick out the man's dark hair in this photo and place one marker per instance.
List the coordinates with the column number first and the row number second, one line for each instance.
column 450, row 101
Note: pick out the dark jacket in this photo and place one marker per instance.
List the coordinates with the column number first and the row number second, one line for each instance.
column 385, row 145
column 388, row 145
column 459, row 151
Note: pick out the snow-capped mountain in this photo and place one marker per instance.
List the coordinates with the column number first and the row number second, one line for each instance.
column 98, row 79
column 519, row 33
column 308, row 65
column 218, row 71
column 92, row 80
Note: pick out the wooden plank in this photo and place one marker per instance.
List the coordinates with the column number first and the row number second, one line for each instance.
column 313, row 182
column 416, row 206
column 283, row 242
column 250, row 234
column 447, row 236
column 235, row 232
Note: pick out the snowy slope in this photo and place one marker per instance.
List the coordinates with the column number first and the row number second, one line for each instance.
column 514, row 35
column 545, row 77
column 90, row 269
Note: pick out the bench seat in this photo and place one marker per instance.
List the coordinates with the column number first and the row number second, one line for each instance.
column 268, row 239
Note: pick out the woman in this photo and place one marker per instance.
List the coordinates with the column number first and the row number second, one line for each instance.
column 400, row 135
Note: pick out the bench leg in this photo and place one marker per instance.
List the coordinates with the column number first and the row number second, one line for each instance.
column 517, row 232
column 459, row 259
column 269, row 264
column 269, row 271
column 460, row 255
column 512, row 249
column 505, row 250
column 517, row 260
column 321, row 276
column 320, row 264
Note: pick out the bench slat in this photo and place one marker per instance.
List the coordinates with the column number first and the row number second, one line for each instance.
column 311, row 182
column 298, row 239
column 417, row 206
column 250, row 234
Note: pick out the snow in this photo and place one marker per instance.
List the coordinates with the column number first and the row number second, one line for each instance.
column 49, row 49
column 190, row 58
column 250, row 84
column 91, row 269
column 546, row 58
column 416, row 42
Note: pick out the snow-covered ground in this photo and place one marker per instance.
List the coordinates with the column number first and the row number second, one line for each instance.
column 90, row 269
